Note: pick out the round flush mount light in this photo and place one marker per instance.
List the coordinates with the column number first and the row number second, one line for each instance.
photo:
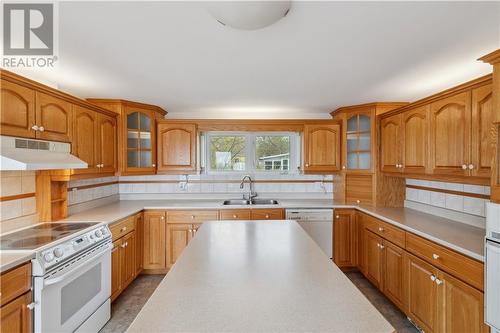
column 248, row 15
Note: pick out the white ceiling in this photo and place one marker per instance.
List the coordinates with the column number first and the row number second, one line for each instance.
column 321, row 56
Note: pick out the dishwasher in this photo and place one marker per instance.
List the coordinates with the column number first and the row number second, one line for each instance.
column 318, row 224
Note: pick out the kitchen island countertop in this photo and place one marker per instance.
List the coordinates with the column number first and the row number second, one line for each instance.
column 256, row 276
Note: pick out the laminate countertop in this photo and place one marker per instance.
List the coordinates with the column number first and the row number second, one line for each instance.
column 10, row 260
column 463, row 238
column 256, row 276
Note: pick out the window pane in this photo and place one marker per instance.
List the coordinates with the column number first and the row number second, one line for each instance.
column 364, row 142
column 352, row 124
column 133, row 159
column 364, row 160
column 146, row 159
column 227, row 153
column 145, row 123
column 364, row 123
column 271, row 150
column 352, row 160
column 133, row 120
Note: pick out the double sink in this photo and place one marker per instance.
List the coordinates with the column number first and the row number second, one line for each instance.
column 242, row 202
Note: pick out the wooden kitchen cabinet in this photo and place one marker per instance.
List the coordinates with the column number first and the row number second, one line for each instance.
column 450, row 135
column 322, row 148
column 139, row 230
column 373, row 258
column 15, row 316
column 393, row 285
column 107, row 143
column 422, row 293
column 54, row 117
column 345, row 238
column 155, row 237
column 178, row 237
column 176, row 147
column 234, row 214
column 85, row 139
column 415, row 140
column 461, row 307
column 390, row 144
column 139, row 141
column 482, row 122
column 17, row 110
column 116, row 275
column 266, row 214
column 128, row 265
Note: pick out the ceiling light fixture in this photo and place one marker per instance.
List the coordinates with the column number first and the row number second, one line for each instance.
column 248, row 15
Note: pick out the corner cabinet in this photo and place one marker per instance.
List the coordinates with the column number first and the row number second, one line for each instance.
column 321, row 148
column 176, row 147
column 136, row 134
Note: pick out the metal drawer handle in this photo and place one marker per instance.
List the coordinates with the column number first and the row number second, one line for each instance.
column 435, row 256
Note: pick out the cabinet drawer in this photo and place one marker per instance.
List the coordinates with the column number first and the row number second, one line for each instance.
column 191, row 216
column 385, row 230
column 235, row 214
column 267, row 214
column 122, row 227
column 15, row 282
column 462, row 267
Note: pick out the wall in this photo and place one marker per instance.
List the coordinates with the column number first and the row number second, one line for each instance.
column 18, row 205
column 462, row 202
column 89, row 193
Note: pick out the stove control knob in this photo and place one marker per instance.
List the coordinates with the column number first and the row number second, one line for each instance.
column 48, row 257
column 98, row 233
column 58, row 253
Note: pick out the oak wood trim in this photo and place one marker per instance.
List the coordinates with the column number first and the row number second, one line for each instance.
column 25, row 82
column 480, row 81
column 491, row 58
column 17, row 196
column 441, row 178
column 465, row 194
column 374, row 105
column 125, row 102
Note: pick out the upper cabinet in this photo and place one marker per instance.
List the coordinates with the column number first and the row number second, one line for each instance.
column 447, row 136
column 176, row 147
column 54, row 118
column 358, row 141
column 107, row 143
column 321, row 148
column 136, row 134
column 85, row 138
column 17, row 110
column 139, row 129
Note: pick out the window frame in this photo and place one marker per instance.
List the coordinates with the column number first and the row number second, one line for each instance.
column 250, row 152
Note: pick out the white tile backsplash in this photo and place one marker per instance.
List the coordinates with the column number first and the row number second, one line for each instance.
column 464, row 204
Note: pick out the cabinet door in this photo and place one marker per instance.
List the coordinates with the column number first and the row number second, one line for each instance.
column 234, row 214
column 107, row 143
column 178, row 237
column 390, row 143
column 415, row 138
column 344, row 233
column 373, row 254
column 422, row 293
column 116, row 269
column 155, row 247
column 85, row 139
column 267, row 214
column 139, row 130
column 393, row 282
column 139, row 230
column 321, row 148
column 128, row 258
column 450, row 135
column 15, row 315
column 462, row 306
column 482, row 127
column 17, row 110
column 55, row 116
column 176, row 147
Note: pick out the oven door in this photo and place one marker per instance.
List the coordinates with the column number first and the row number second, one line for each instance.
column 492, row 291
column 66, row 298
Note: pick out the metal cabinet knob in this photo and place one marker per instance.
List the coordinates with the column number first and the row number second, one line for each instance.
column 235, row 216
column 162, row 218
column 343, row 167
column 358, row 201
column 192, row 217
column 438, row 281
column 337, row 216
column 267, row 216
column 34, row 127
column 471, row 166
column 31, row 306
column 433, row 278
column 464, row 166
column 382, row 246
column 123, row 229
column 153, row 165
column 41, row 129
column 307, row 164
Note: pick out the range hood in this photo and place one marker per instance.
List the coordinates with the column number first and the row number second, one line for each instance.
column 28, row 154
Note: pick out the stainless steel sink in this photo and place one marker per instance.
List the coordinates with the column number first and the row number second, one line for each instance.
column 242, row 202
column 236, row 202
column 264, row 202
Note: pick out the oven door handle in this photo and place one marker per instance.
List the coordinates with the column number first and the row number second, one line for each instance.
column 59, row 278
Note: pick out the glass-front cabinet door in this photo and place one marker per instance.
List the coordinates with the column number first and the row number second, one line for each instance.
column 140, row 141
column 358, row 142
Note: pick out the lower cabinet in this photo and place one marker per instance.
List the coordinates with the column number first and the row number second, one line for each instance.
column 123, row 263
column 155, row 235
column 345, row 240
column 393, row 285
column 178, row 237
column 373, row 257
column 15, row 316
column 139, row 230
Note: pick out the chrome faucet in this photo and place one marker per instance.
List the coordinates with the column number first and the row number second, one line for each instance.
column 251, row 193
